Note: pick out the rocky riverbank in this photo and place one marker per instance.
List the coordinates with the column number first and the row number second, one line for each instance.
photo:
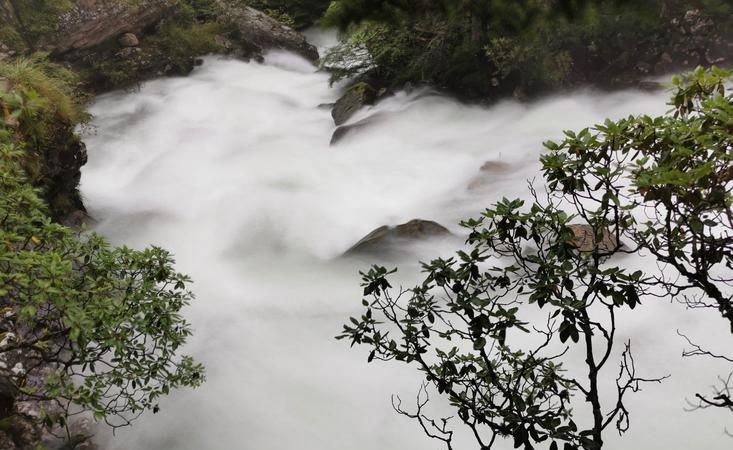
column 52, row 60
column 113, row 44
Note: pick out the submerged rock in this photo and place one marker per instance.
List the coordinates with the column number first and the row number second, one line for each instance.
column 385, row 238
column 489, row 171
column 345, row 130
column 585, row 239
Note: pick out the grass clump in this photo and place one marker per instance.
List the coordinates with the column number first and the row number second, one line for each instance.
column 52, row 82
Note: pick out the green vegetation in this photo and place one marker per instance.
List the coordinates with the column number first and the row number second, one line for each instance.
column 50, row 81
column 10, row 37
column 194, row 29
column 490, row 48
column 298, row 14
column 38, row 18
column 95, row 327
column 45, row 106
column 465, row 326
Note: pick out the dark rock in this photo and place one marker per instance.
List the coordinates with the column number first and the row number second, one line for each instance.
column 8, row 394
column 61, row 176
column 384, row 238
column 75, row 219
column 265, row 33
column 585, row 239
column 128, row 40
column 357, row 96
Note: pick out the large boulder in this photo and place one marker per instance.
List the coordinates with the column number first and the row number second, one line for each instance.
column 90, row 23
column 356, row 97
column 384, row 238
column 265, row 33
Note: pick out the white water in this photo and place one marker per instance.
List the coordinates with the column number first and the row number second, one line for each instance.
column 230, row 168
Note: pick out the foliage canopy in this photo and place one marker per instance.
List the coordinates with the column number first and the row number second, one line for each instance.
column 85, row 326
column 660, row 185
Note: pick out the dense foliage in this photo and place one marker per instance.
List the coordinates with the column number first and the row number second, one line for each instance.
column 298, row 14
column 660, row 184
column 490, row 48
column 85, row 326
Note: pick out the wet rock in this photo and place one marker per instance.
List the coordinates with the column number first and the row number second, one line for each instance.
column 585, row 239
column 263, row 33
column 128, row 40
column 384, row 238
column 357, row 96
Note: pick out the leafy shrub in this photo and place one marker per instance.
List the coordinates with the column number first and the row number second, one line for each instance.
column 50, row 81
column 93, row 326
column 663, row 185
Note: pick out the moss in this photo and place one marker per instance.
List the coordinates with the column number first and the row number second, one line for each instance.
column 38, row 18
column 362, row 89
column 281, row 16
column 171, row 51
column 182, row 44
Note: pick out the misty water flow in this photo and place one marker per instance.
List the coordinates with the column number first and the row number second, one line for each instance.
column 231, row 169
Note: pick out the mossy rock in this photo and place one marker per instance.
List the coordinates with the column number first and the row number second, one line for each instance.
column 356, row 97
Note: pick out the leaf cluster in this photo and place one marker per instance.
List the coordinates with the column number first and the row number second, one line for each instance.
column 92, row 327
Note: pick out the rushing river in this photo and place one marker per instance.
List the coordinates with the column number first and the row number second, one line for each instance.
column 231, row 169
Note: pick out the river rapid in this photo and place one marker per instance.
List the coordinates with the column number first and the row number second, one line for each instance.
column 231, row 169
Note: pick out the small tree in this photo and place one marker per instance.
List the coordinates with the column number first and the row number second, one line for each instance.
column 659, row 184
column 680, row 182
column 84, row 326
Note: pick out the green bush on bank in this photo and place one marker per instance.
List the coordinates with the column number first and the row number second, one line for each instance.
column 94, row 326
column 491, row 48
